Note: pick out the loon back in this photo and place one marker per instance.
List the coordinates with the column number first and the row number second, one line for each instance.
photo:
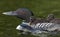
column 45, row 26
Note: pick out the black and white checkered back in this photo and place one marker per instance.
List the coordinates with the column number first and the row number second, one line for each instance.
column 43, row 26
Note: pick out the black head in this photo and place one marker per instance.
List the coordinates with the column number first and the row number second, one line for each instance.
column 22, row 13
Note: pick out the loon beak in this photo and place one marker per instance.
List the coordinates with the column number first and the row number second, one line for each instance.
column 10, row 13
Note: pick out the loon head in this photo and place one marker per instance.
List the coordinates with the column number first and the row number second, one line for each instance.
column 22, row 13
